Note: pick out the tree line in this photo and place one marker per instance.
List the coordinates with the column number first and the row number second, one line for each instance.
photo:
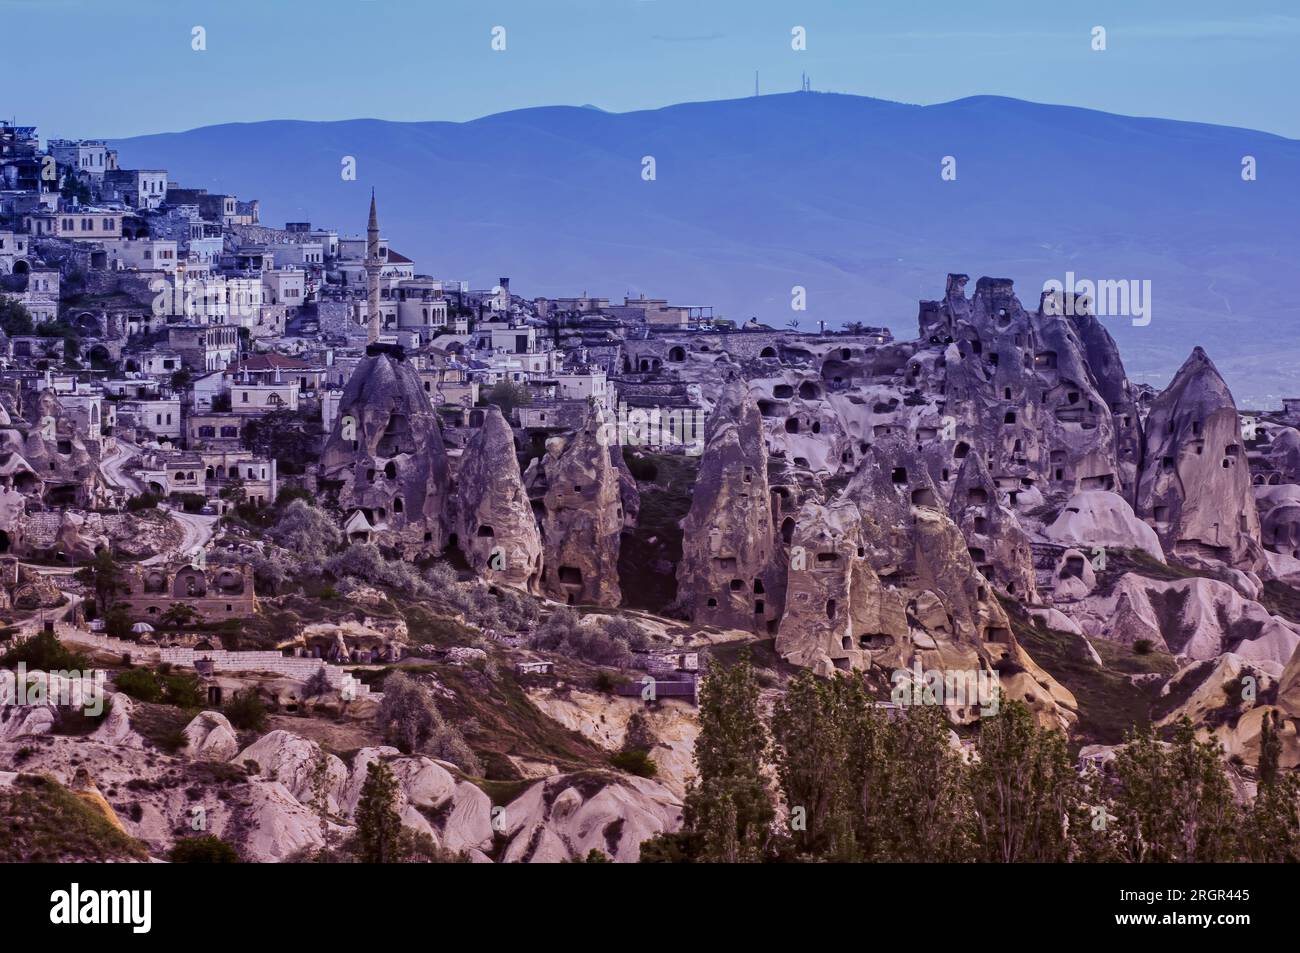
column 833, row 778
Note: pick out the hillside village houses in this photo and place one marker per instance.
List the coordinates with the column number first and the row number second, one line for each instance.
column 162, row 338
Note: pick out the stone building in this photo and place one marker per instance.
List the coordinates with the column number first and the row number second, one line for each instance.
column 216, row 593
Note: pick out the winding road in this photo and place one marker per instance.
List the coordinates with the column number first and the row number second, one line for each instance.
column 111, row 466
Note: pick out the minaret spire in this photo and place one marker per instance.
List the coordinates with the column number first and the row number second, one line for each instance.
column 372, row 271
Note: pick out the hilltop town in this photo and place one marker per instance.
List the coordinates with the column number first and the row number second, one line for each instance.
column 311, row 509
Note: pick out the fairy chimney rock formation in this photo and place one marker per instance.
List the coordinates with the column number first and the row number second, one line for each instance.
column 495, row 525
column 385, row 459
column 583, row 521
column 1194, row 488
column 726, row 575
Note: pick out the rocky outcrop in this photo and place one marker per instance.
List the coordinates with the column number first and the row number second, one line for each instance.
column 1021, row 391
column 729, row 575
column 43, row 455
column 210, row 737
column 1098, row 518
column 384, row 461
column 495, row 525
column 1198, row 618
column 1195, row 487
column 566, row 817
column 456, row 814
column 1279, row 512
column 294, row 762
column 838, row 613
column 583, row 522
column 889, row 582
column 997, row 543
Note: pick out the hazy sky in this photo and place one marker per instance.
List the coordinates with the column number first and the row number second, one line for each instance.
column 123, row 67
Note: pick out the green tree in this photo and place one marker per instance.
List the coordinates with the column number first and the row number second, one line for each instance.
column 14, row 317
column 104, row 575
column 117, row 623
column 1271, row 833
column 508, row 395
column 1024, row 789
column 320, row 777
column 178, row 615
column 729, row 808
column 1173, row 802
column 410, row 720
column 379, row 827
column 814, row 727
column 44, row 652
column 75, row 190
column 246, row 710
column 916, row 792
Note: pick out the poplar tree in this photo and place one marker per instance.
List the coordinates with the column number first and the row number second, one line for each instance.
column 379, row 827
column 729, row 810
column 1024, row 789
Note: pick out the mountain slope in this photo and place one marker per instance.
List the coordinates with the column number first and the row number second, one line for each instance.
column 839, row 194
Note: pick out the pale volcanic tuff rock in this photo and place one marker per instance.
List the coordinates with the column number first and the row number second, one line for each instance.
column 1195, row 484
column 1021, row 392
column 495, row 523
column 1198, row 618
column 293, row 761
column 1099, row 518
column 210, row 737
column 997, row 542
column 566, row 817
column 1279, row 511
column 905, row 557
column 583, row 522
column 385, row 457
column 41, row 450
column 837, row 611
column 728, row 575
column 1283, row 454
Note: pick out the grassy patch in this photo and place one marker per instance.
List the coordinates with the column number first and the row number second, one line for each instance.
column 1281, row 599
column 163, row 726
column 1109, row 704
column 649, row 554
column 1121, row 561
column 41, row 821
column 498, row 720
column 426, row 628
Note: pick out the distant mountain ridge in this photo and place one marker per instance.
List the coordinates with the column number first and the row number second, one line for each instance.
column 841, row 195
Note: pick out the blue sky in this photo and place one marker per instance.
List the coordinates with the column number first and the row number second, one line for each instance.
column 124, row 68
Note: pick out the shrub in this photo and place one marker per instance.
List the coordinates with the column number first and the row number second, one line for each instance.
column 203, row 850
column 141, row 684
column 411, row 721
column 628, row 632
column 246, row 710
column 364, row 561
column 145, row 501
column 45, row 652
column 192, row 502
column 564, row 633
column 318, row 684
column 1144, row 646
column 635, row 761
column 181, row 689
column 305, row 530
column 117, row 623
